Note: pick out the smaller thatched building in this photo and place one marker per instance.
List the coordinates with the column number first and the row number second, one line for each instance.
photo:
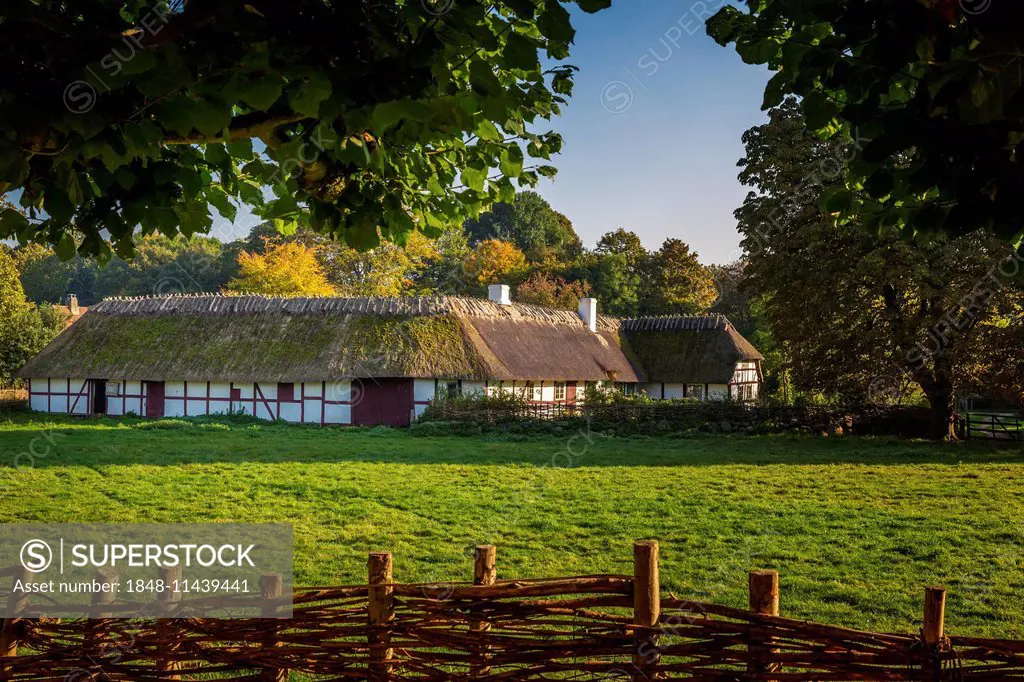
column 368, row 360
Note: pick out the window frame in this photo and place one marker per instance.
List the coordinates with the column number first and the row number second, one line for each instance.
column 561, row 392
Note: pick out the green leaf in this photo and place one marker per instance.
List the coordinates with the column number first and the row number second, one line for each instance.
column 211, row 118
column 307, row 98
column 57, row 206
column 724, row 27
column 12, row 222
column 818, row 110
column 65, row 247
column 141, row 62
column 836, row 200
column 473, row 178
column 511, row 164
column 520, row 53
column 387, row 114
column 262, row 94
column 486, row 130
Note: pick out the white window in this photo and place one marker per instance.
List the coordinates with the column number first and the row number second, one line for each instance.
column 532, row 391
column 559, row 390
column 695, row 391
column 113, row 388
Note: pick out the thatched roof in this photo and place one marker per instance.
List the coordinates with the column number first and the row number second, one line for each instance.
column 259, row 338
column 700, row 349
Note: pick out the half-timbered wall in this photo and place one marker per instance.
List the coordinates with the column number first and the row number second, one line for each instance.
column 61, row 395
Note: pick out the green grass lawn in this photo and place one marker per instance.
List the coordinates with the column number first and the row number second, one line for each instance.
column 857, row 527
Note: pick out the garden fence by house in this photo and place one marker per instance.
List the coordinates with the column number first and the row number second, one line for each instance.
column 709, row 415
column 588, row 627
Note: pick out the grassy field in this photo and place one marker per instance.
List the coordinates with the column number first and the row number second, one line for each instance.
column 857, row 527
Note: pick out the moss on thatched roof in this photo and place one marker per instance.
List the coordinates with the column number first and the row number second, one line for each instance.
column 700, row 349
column 257, row 338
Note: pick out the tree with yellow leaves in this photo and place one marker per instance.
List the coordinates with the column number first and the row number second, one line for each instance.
column 494, row 261
column 284, row 269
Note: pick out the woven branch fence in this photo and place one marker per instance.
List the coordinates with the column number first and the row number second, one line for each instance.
column 589, row 627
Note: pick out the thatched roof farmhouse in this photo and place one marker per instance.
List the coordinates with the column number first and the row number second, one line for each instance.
column 369, row 360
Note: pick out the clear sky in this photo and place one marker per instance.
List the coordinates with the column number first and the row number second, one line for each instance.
column 652, row 133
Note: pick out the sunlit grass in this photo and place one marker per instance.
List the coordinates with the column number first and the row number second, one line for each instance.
column 857, row 527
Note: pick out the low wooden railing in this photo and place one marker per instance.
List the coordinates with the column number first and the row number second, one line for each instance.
column 585, row 627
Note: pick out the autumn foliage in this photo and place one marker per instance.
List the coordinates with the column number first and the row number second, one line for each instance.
column 285, row 269
column 494, row 261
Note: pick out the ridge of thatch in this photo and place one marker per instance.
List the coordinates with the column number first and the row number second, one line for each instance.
column 675, row 323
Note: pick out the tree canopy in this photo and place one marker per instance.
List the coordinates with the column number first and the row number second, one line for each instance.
column 360, row 120
column 930, row 93
column 858, row 315
column 530, row 223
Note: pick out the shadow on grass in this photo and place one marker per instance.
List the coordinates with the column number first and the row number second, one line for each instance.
column 59, row 441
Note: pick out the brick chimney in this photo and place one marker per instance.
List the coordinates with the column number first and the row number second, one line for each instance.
column 71, row 301
column 499, row 293
column 588, row 311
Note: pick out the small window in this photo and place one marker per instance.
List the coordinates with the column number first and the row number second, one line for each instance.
column 559, row 390
column 626, row 389
column 286, row 393
column 695, row 391
column 532, row 392
column 113, row 388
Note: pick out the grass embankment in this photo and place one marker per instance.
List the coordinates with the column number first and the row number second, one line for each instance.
column 857, row 527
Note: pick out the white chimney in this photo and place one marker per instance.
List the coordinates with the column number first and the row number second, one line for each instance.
column 72, row 303
column 499, row 293
column 588, row 311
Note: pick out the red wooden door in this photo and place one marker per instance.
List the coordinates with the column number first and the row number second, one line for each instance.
column 570, row 392
column 384, row 401
column 154, row 399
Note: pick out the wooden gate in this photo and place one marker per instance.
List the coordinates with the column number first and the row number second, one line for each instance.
column 994, row 425
column 383, row 401
column 154, row 399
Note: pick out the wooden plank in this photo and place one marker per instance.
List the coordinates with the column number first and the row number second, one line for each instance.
column 272, row 587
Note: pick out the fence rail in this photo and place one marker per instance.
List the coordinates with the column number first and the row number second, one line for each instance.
column 587, row 627
column 995, row 426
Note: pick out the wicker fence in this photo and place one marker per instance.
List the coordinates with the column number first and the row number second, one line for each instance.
column 589, row 627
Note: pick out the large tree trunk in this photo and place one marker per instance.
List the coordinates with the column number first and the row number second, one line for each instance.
column 941, row 423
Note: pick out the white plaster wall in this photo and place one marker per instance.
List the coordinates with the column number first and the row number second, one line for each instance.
column 337, row 414
column 292, row 412
column 174, row 389
column 423, row 389
column 472, row 388
column 313, row 389
column 718, row 391
column 674, row 392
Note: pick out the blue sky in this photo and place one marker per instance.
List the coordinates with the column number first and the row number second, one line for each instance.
column 652, row 133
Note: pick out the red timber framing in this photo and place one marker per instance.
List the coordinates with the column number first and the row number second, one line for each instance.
column 570, row 390
column 76, row 400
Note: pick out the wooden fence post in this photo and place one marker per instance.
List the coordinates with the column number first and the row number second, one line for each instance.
column 271, row 587
column 763, row 589
column 97, row 616
column 166, row 627
column 932, row 631
column 381, row 613
column 484, row 573
column 16, row 603
column 646, row 607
